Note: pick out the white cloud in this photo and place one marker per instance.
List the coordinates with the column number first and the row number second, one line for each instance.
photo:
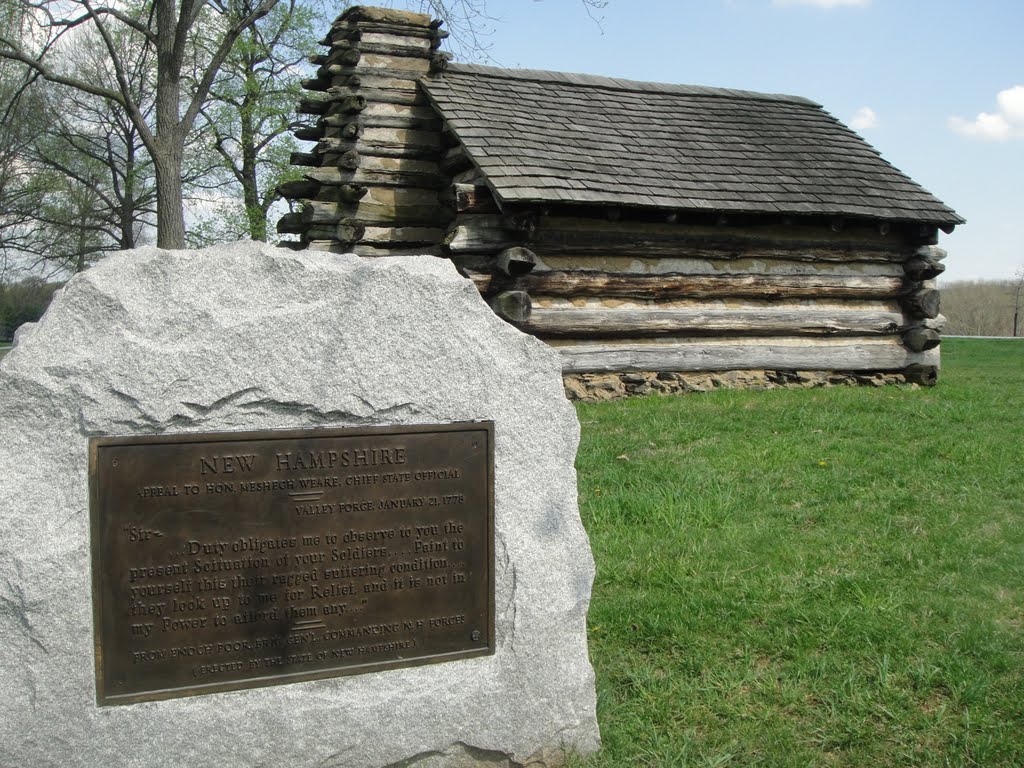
column 864, row 119
column 824, row 3
column 1002, row 125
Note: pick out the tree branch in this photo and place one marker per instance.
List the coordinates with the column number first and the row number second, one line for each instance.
column 218, row 59
column 122, row 81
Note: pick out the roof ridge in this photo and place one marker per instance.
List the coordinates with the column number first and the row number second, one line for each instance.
column 619, row 84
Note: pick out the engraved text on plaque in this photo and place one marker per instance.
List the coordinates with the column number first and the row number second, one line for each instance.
column 232, row 560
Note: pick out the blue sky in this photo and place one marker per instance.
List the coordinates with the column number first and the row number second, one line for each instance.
column 925, row 70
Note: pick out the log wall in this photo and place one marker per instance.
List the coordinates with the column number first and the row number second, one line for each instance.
column 372, row 181
column 616, row 291
column 615, row 294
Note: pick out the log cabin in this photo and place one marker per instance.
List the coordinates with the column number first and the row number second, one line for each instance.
column 655, row 235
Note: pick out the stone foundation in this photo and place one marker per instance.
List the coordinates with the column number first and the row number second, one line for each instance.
column 592, row 387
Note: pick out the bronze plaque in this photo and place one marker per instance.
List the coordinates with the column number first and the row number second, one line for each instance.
column 234, row 560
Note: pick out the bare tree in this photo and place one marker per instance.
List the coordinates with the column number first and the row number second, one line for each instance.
column 168, row 28
column 251, row 109
column 188, row 61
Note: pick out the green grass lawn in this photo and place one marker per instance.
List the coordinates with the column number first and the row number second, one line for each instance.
column 812, row 577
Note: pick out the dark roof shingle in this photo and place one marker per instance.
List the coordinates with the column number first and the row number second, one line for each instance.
column 556, row 137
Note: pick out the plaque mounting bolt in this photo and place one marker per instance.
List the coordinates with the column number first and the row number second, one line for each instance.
column 476, row 635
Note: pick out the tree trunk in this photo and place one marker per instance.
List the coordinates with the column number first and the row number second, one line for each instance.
column 170, row 215
column 169, row 140
column 254, row 215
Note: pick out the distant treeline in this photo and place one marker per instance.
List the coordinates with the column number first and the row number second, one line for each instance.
column 23, row 302
column 984, row 307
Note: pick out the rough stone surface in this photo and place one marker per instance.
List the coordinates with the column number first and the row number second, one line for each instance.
column 593, row 387
column 250, row 337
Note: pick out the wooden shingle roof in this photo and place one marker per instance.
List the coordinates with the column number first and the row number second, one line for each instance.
column 553, row 137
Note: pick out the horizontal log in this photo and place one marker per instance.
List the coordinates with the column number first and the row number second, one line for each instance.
column 320, row 212
column 372, row 15
column 416, row 65
column 426, row 38
column 405, row 49
column 745, row 265
column 375, row 81
column 363, row 249
column 395, row 116
column 742, row 354
column 337, row 176
column 809, row 235
column 387, row 137
column 346, row 232
column 378, row 96
column 373, row 78
column 391, row 235
column 715, row 245
column 554, row 283
column 351, row 160
column 649, row 322
column 403, row 196
column 654, row 240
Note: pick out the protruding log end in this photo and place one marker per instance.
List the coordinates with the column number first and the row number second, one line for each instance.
column 517, row 261
column 513, row 306
column 349, row 160
column 308, row 133
column 923, row 302
column 350, row 231
column 351, row 193
column 921, row 339
column 316, row 84
column 304, row 158
column 354, row 103
column 312, row 106
column 923, row 375
column 293, row 190
column 291, row 224
column 921, row 268
column 439, row 62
